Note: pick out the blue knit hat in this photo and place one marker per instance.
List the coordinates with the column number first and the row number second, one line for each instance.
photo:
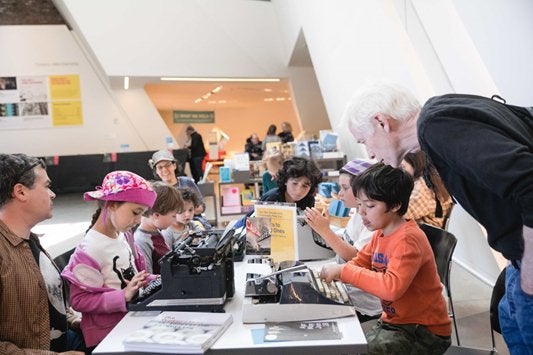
column 355, row 167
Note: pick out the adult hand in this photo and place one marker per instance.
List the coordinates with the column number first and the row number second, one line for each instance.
column 526, row 267
column 134, row 285
column 331, row 272
column 317, row 221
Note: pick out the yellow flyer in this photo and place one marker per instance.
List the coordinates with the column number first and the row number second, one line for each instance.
column 65, row 87
column 283, row 229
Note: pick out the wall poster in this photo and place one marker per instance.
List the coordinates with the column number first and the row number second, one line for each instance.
column 28, row 102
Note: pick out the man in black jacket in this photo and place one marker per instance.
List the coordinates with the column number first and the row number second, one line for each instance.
column 483, row 150
column 253, row 147
column 197, row 149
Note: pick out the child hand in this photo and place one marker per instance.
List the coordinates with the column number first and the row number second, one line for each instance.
column 316, row 220
column 134, row 285
column 331, row 272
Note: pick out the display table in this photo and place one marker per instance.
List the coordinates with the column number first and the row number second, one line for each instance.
column 239, row 337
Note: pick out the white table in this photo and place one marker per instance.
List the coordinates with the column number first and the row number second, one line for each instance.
column 238, row 337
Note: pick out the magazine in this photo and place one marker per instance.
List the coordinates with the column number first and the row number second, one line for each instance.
column 179, row 333
column 297, row 331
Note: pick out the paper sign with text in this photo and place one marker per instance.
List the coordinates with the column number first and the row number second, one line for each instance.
column 283, row 229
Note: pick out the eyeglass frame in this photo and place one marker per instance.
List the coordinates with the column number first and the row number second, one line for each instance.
column 163, row 166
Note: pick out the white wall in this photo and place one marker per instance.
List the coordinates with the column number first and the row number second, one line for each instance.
column 186, row 38
column 48, row 50
column 352, row 42
column 502, row 32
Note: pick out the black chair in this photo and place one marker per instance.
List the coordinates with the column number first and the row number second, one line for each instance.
column 62, row 260
column 443, row 244
column 497, row 293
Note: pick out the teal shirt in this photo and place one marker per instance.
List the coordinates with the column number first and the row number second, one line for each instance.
column 267, row 183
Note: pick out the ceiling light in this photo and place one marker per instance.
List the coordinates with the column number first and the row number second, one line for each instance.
column 217, row 89
column 126, row 82
column 270, row 80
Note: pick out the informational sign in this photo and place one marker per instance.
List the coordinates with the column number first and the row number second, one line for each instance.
column 28, row 102
column 193, row 116
column 282, row 218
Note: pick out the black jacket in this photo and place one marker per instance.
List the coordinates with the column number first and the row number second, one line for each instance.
column 483, row 150
column 255, row 151
column 197, row 145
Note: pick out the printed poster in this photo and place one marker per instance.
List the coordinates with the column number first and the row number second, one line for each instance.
column 282, row 218
column 28, row 102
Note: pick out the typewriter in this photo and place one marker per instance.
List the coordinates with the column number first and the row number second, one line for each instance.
column 291, row 292
column 309, row 244
column 197, row 275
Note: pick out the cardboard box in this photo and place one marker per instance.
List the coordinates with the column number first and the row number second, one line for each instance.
column 340, row 222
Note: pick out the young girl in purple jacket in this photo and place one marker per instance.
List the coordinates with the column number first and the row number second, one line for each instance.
column 105, row 271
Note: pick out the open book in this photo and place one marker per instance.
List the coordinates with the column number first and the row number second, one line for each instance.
column 179, row 333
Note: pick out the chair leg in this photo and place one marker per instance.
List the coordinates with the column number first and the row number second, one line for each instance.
column 493, row 340
column 453, row 318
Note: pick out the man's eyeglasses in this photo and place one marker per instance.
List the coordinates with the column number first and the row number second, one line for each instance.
column 164, row 166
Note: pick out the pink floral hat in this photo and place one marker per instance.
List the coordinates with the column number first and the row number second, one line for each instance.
column 123, row 186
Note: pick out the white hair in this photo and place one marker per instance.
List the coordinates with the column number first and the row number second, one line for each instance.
column 388, row 99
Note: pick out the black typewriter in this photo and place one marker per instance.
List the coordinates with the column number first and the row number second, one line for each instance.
column 197, row 275
column 292, row 291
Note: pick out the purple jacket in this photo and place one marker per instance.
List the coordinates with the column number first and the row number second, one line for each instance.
column 102, row 307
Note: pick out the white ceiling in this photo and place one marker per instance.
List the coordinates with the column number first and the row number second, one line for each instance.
column 171, row 95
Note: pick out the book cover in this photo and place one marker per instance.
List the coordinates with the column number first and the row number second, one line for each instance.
column 302, row 149
column 258, row 233
column 288, row 149
column 247, row 196
column 179, row 333
column 272, row 147
column 224, row 174
column 282, row 217
column 315, row 149
column 298, row 331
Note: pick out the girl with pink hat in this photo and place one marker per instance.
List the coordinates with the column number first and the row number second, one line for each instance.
column 102, row 272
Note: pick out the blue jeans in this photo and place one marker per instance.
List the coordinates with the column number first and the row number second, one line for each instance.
column 516, row 315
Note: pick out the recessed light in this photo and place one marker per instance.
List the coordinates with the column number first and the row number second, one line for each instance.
column 269, row 80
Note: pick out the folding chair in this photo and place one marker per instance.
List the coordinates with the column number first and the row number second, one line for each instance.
column 62, row 260
column 443, row 244
column 497, row 293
